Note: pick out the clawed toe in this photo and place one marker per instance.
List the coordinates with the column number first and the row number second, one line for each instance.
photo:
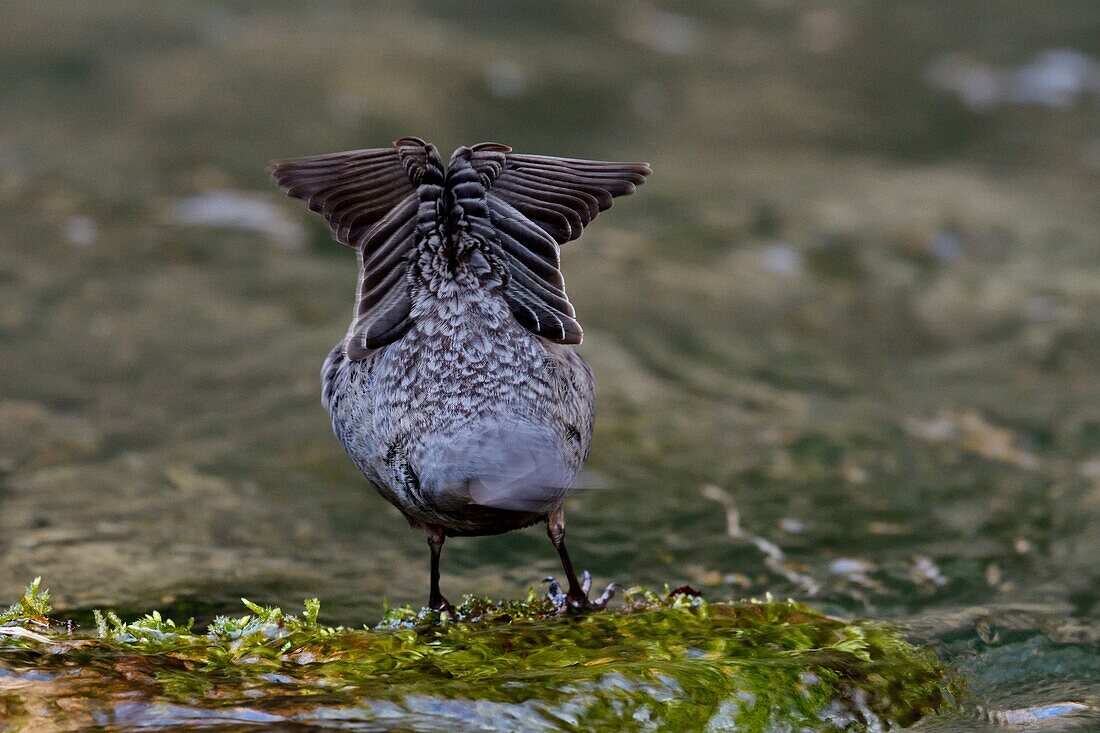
column 554, row 591
column 578, row 600
column 605, row 597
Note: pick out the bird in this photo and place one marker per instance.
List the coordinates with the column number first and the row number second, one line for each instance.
column 456, row 389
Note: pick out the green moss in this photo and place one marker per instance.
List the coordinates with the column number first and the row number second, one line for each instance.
column 33, row 606
column 669, row 662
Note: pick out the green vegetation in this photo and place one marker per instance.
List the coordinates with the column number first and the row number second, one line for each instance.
column 33, row 606
column 670, row 661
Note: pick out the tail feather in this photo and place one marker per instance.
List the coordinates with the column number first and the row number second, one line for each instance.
column 517, row 467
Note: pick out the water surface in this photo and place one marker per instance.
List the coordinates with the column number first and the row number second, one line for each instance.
column 846, row 338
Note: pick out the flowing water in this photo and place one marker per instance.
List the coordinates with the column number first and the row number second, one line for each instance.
column 847, row 337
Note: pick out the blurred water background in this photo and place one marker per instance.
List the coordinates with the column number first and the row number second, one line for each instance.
column 847, row 338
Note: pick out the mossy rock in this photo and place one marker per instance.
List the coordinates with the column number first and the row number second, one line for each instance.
column 671, row 662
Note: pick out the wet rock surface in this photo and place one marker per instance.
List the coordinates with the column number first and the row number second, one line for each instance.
column 671, row 662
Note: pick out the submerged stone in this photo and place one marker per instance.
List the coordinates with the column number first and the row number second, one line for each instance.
column 673, row 662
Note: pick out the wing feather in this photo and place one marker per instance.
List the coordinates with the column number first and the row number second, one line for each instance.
column 370, row 200
column 380, row 200
column 536, row 203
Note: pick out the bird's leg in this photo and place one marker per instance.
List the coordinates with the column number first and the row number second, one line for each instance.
column 436, row 601
column 577, row 595
column 555, row 527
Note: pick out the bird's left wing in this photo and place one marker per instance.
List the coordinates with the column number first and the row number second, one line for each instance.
column 369, row 199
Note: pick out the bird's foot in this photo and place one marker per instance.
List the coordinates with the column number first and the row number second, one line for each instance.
column 441, row 606
column 576, row 599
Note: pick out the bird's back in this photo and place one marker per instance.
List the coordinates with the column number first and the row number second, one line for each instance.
column 468, row 421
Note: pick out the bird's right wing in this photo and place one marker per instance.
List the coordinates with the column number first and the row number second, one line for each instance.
column 537, row 203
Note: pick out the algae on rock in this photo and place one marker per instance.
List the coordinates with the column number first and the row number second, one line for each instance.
column 672, row 662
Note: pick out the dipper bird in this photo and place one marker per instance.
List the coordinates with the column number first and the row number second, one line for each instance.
column 456, row 390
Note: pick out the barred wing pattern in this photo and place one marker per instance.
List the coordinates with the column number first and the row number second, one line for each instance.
column 370, row 199
column 379, row 201
column 537, row 203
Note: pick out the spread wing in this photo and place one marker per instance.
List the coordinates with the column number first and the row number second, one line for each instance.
column 369, row 199
column 536, row 203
